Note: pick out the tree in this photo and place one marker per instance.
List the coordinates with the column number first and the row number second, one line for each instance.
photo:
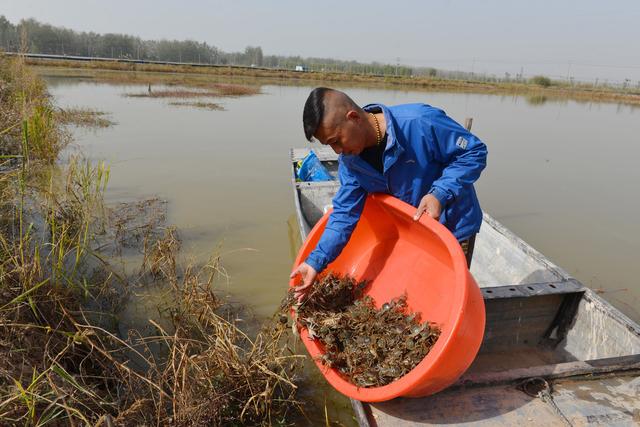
column 541, row 81
column 253, row 56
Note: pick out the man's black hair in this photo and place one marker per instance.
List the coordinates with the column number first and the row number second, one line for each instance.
column 313, row 111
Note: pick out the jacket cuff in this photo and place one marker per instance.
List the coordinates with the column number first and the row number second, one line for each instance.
column 316, row 264
column 444, row 197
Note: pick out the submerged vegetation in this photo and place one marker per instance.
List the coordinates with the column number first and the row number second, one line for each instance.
column 172, row 94
column 203, row 105
column 65, row 359
column 213, row 90
column 83, row 117
column 210, row 90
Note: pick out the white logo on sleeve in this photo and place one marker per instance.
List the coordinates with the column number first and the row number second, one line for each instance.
column 462, row 143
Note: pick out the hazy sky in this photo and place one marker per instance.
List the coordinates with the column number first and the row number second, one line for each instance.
column 586, row 39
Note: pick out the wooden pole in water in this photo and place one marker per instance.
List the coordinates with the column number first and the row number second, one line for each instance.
column 468, row 122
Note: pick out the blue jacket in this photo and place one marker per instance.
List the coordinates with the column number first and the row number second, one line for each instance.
column 426, row 152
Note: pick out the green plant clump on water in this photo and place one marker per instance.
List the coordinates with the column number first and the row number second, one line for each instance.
column 541, row 81
column 64, row 361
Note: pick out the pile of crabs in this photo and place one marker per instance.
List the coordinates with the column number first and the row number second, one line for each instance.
column 370, row 347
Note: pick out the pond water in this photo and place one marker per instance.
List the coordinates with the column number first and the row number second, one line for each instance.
column 562, row 175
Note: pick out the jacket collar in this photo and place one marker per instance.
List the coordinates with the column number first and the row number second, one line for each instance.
column 392, row 151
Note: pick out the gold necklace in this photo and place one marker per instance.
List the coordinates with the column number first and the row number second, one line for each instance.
column 378, row 135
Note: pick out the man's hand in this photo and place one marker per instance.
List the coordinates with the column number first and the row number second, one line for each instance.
column 429, row 205
column 308, row 274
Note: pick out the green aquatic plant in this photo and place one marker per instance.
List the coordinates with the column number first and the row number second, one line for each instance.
column 541, row 81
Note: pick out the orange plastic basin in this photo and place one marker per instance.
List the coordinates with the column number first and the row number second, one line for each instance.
column 424, row 260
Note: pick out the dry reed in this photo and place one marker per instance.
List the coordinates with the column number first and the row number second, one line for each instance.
column 26, row 114
column 64, row 361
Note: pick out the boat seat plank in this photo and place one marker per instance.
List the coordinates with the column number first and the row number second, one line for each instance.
column 490, row 362
column 532, row 289
column 629, row 363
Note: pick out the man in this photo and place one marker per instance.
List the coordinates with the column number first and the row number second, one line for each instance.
column 414, row 152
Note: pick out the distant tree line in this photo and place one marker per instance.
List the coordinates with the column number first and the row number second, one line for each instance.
column 32, row 36
column 35, row 37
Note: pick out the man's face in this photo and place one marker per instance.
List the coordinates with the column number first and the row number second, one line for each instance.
column 346, row 137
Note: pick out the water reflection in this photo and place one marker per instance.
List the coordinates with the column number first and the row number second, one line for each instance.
column 536, row 99
column 295, row 239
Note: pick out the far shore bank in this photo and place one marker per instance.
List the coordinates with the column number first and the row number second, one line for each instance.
column 135, row 73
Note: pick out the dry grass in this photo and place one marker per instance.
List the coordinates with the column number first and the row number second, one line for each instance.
column 27, row 118
column 216, row 373
column 64, row 361
column 83, row 117
column 227, row 89
column 198, row 369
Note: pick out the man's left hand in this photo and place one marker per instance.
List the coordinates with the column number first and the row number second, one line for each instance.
column 429, row 205
column 308, row 275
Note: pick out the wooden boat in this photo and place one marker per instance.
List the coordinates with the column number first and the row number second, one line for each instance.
column 554, row 352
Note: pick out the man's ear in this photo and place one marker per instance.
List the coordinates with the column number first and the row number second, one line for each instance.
column 353, row 115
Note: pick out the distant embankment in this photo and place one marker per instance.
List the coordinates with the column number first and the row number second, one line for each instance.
column 125, row 60
column 538, row 93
